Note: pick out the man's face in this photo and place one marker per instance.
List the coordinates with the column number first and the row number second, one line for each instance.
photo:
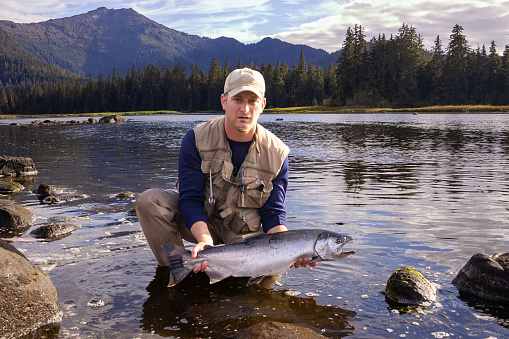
column 242, row 112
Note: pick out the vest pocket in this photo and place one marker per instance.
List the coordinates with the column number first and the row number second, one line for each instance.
column 245, row 220
column 257, row 194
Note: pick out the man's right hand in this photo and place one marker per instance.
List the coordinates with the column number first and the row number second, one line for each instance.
column 202, row 235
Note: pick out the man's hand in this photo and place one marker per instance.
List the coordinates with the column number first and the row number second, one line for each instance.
column 202, row 235
column 303, row 262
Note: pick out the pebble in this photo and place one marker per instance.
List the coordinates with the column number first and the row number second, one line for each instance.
column 364, row 296
column 292, row 293
column 95, row 302
column 311, row 294
column 440, row 335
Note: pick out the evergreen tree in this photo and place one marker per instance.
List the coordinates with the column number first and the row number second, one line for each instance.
column 495, row 77
column 215, row 85
column 456, row 68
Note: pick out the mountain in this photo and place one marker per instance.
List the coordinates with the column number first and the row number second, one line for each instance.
column 106, row 39
column 19, row 67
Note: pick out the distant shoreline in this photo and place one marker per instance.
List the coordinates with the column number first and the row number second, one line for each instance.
column 478, row 109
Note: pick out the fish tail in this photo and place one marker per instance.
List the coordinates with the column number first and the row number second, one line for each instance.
column 177, row 269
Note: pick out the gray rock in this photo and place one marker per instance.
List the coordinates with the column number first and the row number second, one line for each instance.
column 54, row 231
column 29, row 298
column 14, row 218
column 16, row 166
column 45, row 190
column 112, row 119
column 92, row 120
column 273, row 329
column 409, row 287
column 485, row 277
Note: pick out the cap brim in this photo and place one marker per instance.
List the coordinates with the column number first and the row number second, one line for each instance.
column 237, row 90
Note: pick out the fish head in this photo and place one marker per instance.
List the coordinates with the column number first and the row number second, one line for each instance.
column 329, row 246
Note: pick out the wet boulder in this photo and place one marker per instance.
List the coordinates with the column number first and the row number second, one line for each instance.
column 29, row 298
column 14, row 218
column 123, row 195
column 112, row 119
column 274, row 329
column 16, row 166
column 45, row 190
column 485, row 277
column 407, row 286
column 54, row 231
column 10, row 187
column 92, row 120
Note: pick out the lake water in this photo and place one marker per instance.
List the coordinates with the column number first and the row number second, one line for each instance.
column 426, row 191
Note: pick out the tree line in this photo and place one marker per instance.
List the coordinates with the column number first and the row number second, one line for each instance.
column 384, row 72
column 398, row 72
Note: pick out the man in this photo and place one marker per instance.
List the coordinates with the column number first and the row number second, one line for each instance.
column 232, row 178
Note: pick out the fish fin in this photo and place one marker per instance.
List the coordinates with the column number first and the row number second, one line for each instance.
column 255, row 280
column 177, row 270
column 215, row 276
column 248, row 236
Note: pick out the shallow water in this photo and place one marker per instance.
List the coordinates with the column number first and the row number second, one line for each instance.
column 426, row 191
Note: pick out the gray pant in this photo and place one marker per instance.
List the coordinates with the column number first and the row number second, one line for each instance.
column 160, row 218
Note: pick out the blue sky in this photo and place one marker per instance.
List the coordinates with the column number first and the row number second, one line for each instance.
column 317, row 23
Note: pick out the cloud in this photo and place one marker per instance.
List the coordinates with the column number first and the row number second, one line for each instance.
column 318, row 23
column 483, row 21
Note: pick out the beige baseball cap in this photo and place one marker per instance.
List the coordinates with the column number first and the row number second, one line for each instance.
column 245, row 79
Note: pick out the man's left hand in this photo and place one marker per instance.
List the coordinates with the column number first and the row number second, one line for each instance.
column 303, row 262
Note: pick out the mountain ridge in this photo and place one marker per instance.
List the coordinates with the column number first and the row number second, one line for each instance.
column 103, row 40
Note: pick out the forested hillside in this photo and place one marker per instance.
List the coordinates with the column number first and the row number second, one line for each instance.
column 18, row 67
column 104, row 40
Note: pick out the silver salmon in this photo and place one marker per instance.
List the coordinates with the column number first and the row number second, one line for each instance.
column 258, row 256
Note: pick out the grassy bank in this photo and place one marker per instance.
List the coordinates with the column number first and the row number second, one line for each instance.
column 359, row 109
column 302, row 110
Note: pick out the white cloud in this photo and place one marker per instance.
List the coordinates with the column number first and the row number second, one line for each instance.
column 482, row 21
column 318, row 23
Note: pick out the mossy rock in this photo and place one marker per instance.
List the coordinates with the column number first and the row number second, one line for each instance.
column 10, row 187
column 409, row 287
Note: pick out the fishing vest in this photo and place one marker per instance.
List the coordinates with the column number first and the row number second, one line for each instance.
column 237, row 199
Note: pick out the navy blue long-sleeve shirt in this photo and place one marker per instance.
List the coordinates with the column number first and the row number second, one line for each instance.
column 192, row 184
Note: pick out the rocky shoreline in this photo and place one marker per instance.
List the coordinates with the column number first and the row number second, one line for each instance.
column 116, row 118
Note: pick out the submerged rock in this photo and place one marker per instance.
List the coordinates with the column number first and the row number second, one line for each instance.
column 485, row 277
column 14, row 218
column 10, row 187
column 123, row 195
column 16, row 166
column 54, row 231
column 51, row 195
column 29, row 298
column 274, row 329
column 409, row 287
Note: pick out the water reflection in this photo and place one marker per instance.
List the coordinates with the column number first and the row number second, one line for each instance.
column 194, row 308
column 425, row 191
